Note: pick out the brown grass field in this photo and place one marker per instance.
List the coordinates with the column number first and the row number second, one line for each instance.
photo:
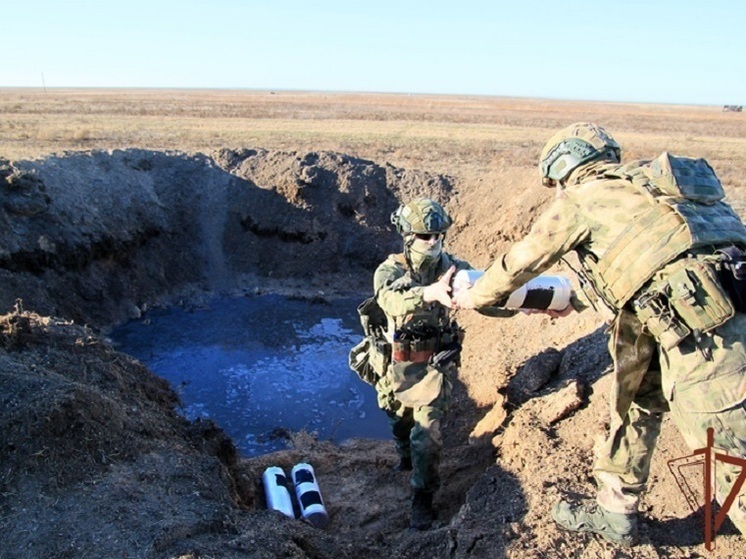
column 474, row 139
column 463, row 136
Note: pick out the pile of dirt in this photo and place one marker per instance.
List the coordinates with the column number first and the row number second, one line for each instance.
column 95, row 236
column 95, row 460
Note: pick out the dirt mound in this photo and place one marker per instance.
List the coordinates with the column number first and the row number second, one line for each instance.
column 95, row 459
column 98, row 236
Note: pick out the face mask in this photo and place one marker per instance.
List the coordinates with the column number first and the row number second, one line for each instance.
column 427, row 248
column 422, row 253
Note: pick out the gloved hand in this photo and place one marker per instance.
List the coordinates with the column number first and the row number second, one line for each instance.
column 440, row 291
column 463, row 300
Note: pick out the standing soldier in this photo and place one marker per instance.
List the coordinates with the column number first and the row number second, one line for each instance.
column 413, row 290
column 658, row 248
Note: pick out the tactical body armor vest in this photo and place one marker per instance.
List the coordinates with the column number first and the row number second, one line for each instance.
column 686, row 215
column 416, row 337
column 428, row 335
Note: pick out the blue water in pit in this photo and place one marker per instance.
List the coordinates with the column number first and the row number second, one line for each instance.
column 260, row 365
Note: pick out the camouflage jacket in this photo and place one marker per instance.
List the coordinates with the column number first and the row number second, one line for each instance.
column 399, row 292
column 589, row 216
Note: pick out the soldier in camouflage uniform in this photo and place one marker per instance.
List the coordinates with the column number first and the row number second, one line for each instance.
column 667, row 261
column 413, row 289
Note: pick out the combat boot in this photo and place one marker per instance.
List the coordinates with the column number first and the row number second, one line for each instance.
column 404, row 465
column 590, row 517
column 423, row 512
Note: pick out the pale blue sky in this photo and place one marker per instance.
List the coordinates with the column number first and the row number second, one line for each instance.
column 662, row 51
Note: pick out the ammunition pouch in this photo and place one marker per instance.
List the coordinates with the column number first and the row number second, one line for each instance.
column 439, row 348
column 380, row 356
column 689, row 300
column 697, row 296
column 659, row 320
column 416, row 351
column 370, row 358
column 372, row 317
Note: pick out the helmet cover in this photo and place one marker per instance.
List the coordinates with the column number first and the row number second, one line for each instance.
column 574, row 146
column 421, row 216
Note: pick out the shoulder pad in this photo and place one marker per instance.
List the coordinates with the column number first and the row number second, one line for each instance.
column 626, row 171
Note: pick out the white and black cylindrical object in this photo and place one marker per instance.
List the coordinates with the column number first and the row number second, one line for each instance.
column 544, row 292
column 309, row 495
column 276, row 491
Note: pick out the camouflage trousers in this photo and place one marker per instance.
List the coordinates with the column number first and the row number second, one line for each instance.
column 702, row 384
column 415, row 397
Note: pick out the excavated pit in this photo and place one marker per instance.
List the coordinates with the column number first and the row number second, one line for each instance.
column 92, row 241
column 105, row 237
column 96, row 458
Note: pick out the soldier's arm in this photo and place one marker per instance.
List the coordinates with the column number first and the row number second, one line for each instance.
column 395, row 290
column 556, row 232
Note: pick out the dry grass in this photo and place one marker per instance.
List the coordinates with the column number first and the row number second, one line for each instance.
column 463, row 136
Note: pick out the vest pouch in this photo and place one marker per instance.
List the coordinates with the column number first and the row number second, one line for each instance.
column 418, row 351
column 365, row 361
column 422, row 350
column 685, row 177
column 380, row 356
column 658, row 319
column 372, row 317
column 698, row 297
column 400, row 351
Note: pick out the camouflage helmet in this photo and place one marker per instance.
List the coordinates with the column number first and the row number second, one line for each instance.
column 573, row 146
column 420, row 216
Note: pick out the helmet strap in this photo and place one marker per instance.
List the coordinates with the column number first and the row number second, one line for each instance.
column 408, row 240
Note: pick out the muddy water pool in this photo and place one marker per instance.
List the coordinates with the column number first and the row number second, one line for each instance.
column 261, row 367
